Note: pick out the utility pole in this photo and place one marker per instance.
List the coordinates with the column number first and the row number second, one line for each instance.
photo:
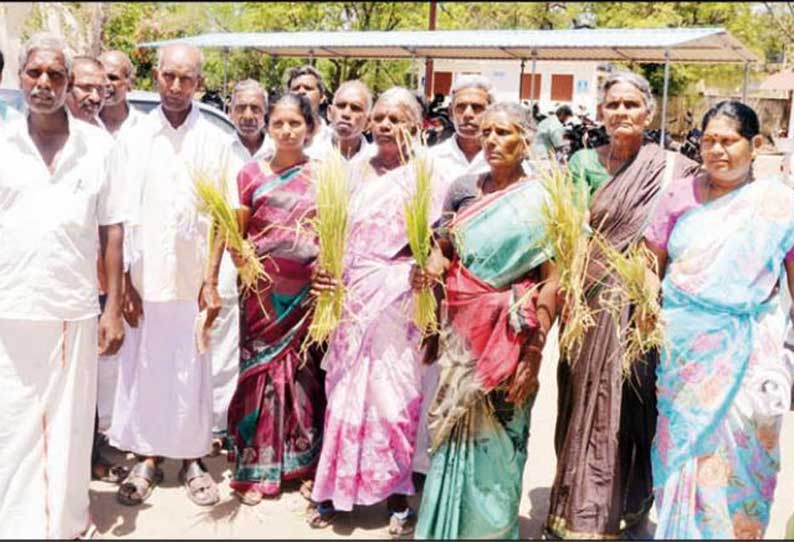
column 429, row 61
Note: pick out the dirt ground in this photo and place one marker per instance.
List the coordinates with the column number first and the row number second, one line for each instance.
column 169, row 514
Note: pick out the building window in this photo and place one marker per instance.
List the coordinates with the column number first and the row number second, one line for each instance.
column 561, row 88
column 527, row 86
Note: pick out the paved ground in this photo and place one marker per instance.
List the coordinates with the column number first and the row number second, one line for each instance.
column 169, row 514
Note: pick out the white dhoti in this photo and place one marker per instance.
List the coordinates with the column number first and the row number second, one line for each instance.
column 48, row 373
column 225, row 361
column 163, row 401
column 108, row 374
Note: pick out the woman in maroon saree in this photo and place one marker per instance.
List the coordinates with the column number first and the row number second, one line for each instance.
column 276, row 413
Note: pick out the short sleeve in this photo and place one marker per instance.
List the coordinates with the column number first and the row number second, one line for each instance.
column 112, row 198
column 461, row 192
column 673, row 202
column 246, row 184
column 557, row 136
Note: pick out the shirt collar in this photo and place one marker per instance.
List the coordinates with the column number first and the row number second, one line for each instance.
column 453, row 149
column 260, row 152
column 76, row 145
column 163, row 125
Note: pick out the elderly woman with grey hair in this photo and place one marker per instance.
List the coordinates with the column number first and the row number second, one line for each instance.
column 500, row 288
column 373, row 365
column 606, row 422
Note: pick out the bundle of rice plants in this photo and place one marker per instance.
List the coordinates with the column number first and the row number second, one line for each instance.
column 420, row 236
column 565, row 217
column 632, row 291
column 212, row 201
column 330, row 224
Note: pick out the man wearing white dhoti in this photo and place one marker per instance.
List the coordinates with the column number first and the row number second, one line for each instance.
column 459, row 155
column 163, row 405
column 57, row 203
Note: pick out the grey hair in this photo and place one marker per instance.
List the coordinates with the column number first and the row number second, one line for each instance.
column 356, row 83
column 406, row 98
column 472, row 81
column 47, row 41
column 248, row 85
column 631, row 78
column 161, row 56
column 293, row 73
column 517, row 113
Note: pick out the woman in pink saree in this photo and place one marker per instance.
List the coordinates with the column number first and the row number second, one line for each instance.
column 374, row 360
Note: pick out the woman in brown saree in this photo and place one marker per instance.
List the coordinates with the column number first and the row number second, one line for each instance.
column 605, row 422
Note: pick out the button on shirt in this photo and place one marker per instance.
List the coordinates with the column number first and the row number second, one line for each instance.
column 49, row 223
column 168, row 235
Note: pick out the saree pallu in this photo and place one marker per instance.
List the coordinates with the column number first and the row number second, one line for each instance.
column 478, row 439
column 374, row 360
column 275, row 416
column 605, row 422
column 722, row 384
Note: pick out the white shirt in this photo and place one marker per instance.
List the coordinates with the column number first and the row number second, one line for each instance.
column 321, row 150
column 49, row 223
column 134, row 117
column 450, row 162
column 168, row 235
column 227, row 277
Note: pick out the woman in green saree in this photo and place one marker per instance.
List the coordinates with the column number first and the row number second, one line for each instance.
column 500, row 302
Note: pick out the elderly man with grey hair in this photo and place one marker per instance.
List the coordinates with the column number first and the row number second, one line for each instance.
column 59, row 206
column 163, row 405
column 459, row 155
column 250, row 142
column 349, row 116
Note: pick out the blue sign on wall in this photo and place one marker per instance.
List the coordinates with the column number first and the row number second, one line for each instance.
column 582, row 85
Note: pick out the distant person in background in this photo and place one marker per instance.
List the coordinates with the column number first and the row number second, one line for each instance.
column 117, row 114
column 7, row 113
column 307, row 81
column 550, row 138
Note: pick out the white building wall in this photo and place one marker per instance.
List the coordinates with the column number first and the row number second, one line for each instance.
column 505, row 75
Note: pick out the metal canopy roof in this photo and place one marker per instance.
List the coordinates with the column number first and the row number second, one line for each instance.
column 707, row 45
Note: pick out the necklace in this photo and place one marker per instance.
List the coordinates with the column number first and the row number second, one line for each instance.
column 710, row 186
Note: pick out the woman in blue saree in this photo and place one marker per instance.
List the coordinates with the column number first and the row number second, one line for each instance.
column 500, row 301
column 722, row 241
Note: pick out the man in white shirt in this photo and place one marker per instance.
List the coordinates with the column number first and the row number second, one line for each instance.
column 459, row 155
column 349, row 116
column 57, row 204
column 163, row 405
column 462, row 153
column 117, row 114
column 307, row 81
column 87, row 90
column 247, row 112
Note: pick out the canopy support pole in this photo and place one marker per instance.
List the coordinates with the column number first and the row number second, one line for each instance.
column 791, row 115
column 664, row 95
column 521, row 81
column 532, row 79
column 225, row 76
column 414, row 75
column 744, row 83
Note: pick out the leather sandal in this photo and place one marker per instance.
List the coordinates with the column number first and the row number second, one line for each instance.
column 200, row 487
column 139, row 484
column 321, row 516
column 402, row 523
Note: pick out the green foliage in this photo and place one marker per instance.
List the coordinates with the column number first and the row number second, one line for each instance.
column 131, row 23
